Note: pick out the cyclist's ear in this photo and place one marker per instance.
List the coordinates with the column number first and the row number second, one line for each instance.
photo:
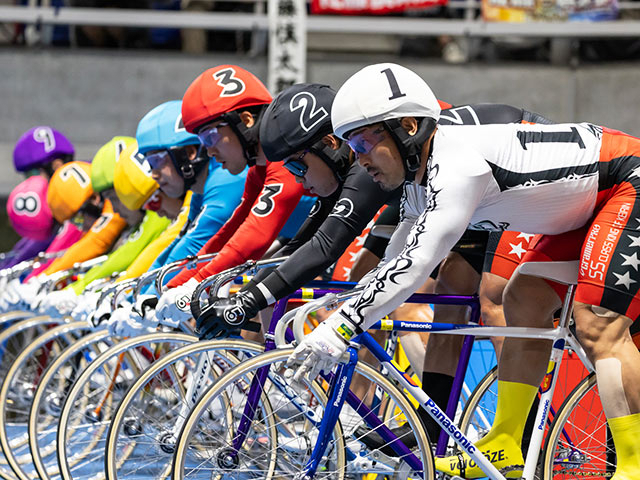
column 331, row 141
column 247, row 118
column 192, row 152
column 410, row 124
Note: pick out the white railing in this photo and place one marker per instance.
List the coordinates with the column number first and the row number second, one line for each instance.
column 321, row 23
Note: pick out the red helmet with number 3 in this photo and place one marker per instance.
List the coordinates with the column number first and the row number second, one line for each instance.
column 221, row 93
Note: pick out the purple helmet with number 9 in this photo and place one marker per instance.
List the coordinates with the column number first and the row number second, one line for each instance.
column 39, row 146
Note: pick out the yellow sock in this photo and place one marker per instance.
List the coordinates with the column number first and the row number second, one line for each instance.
column 625, row 432
column 502, row 444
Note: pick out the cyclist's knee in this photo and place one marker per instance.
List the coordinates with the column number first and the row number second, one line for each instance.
column 457, row 276
column 529, row 301
column 599, row 330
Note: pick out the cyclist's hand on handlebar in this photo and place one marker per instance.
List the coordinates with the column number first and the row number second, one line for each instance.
column 322, row 349
column 227, row 316
column 174, row 305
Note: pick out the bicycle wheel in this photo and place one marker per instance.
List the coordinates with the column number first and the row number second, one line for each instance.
column 12, row 341
column 23, row 376
column 479, row 412
column 579, row 443
column 82, row 430
column 141, row 437
column 50, row 394
column 7, row 318
column 284, row 429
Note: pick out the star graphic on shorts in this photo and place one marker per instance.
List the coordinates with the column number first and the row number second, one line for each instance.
column 636, row 172
column 635, row 241
column 638, row 220
column 517, row 249
column 631, row 260
column 624, row 280
column 527, row 236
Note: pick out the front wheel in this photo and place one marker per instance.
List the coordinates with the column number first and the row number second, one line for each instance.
column 579, row 444
column 280, row 438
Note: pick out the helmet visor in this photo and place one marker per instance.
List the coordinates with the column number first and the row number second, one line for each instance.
column 210, row 136
column 158, row 159
column 363, row 142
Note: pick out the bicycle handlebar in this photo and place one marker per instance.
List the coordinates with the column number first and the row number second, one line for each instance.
column 218, row 280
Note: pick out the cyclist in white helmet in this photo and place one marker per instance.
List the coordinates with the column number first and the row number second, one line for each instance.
column 576, row 184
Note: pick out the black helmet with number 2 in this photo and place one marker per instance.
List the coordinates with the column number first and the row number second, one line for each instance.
column 297, row 120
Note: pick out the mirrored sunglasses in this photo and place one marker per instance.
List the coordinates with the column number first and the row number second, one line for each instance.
column 362, row 143
column 296, row 166
column 157, row 159
column 210, row 136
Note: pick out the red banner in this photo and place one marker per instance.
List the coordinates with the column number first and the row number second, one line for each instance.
column 371, row 7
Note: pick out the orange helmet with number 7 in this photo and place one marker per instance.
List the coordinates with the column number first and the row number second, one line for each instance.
column 69, row 188
column 221, row 93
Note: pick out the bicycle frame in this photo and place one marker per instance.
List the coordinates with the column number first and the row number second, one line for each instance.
column 341, row 381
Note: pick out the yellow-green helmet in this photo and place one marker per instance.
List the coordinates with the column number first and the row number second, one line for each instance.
column 104, row 162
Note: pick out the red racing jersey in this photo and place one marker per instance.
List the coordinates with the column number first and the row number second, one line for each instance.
column 270, row 196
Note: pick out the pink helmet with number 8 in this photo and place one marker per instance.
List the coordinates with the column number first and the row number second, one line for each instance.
column 28, row 211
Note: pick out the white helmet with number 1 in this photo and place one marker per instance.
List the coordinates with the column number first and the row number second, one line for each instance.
column 381, row 92
column 385, row 93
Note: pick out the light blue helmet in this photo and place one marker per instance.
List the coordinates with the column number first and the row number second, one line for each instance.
column 162, row 129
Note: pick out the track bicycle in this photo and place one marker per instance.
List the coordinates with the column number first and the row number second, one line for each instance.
column 414, row 453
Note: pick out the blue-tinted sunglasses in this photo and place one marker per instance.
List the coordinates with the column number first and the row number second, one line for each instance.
column 296, row 166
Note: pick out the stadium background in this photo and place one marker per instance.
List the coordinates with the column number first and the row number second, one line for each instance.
column 92, row 94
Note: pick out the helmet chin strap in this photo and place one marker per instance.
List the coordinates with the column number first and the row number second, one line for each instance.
column 248, row 136
column 189, row 169
column 337, row 160
column 410, row 146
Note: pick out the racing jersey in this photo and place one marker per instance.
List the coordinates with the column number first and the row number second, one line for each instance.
column 207, row 213
column 270, row 196
column 143, row 262
column 24, row 249
column 150, row 228
column 66, row 236
column 531, row 178
column 328, row 231
column 98, row 240
column 359, row 200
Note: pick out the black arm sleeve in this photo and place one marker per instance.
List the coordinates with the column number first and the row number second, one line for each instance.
column 318, row 214
column 361, row 198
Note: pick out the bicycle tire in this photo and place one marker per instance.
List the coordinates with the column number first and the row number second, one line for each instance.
column 152, row 459
column 224, row 388
column 90, row 460
column 49, row 403
column 581, row 420
column 21, row 373
column 12, row 341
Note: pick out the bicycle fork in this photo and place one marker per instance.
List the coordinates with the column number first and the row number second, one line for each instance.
column 548, row 387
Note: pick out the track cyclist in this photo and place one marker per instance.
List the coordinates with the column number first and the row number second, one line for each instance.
column 184, row 173
column 144, row 227
column 224, row 106
column 547, row 179
column 38, row 153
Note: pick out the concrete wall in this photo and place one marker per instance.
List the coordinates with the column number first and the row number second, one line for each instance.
column 94, row 95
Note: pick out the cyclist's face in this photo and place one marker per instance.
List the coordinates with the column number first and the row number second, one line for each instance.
column 168, row 177
column 227, row 148
column 318, row 178
column 130, row 216
column 376, row 152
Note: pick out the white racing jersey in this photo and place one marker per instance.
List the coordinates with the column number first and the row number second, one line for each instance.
column 530, row 178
